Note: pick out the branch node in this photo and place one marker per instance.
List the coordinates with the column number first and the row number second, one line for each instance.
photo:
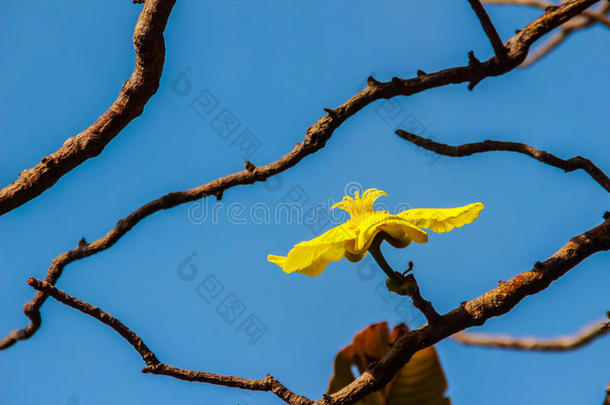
column 473, row 60
column 331, row 112
column 490, row 30
column 82, row 242
column 249, row 166
column 472, row 84
column 423, row 305
column 421, row 73
column 372, row 82
column 606, row 215
column 218, row 195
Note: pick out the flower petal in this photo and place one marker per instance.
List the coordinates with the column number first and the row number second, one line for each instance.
column 311, row 257
column 442, row 219
column 397, row 227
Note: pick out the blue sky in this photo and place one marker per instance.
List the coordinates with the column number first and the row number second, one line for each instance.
column 274, row 65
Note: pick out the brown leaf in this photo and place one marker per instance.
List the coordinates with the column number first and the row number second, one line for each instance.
column 421, row 381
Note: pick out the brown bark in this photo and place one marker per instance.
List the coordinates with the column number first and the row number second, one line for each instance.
column 316, row 137
column 468, row 149
column 475, row 312
column 138, row 89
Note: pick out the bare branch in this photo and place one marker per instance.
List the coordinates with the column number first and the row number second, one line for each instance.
column 588, row 18
column 607, row 398
column 138, row 89
column 546, row 48
column 405, row 284
column 489, row 29
column 468, row 149
column 154, row 366
column 476, row 312
column 423, row 305
column 315, row 138
column 496, row 302
column 564, row 343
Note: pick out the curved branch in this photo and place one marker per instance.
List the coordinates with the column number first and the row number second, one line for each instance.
column 316, row 137
column 476, row 312
column 560, row 344
column 468, row 149
column 154, row 366
column 587, row 19
column 138, row 89
column 544, row 49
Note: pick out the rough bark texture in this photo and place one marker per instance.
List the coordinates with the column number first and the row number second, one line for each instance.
column 315, row 138
column 138, row 89
column 471, row 313
column 475, row 312
column 496, row 302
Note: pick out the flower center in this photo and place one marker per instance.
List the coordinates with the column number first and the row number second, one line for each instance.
column 359, row 207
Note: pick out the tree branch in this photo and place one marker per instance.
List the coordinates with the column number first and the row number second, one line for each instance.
column 316, row 137
column 422, row 304
column 585, row 20
column 402, row 283
column 564, row 343
column 154, row 366
column 468, row 149
column 475, row 312
column 489, row 29
column 138, row 89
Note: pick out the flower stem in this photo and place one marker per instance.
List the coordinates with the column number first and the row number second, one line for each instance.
column 375, row 250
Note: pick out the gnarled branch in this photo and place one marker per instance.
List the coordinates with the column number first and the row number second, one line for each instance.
column 468, row 149
column 154, row 366
column 560, row 344
column 136, row 91
column 315, row 138
column 476, row 312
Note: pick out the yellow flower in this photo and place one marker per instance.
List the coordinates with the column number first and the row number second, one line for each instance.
column 353, row 238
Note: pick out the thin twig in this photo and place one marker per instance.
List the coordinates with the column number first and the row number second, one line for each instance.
column 564, row 343
column 468, row 149
column 420, row 303
column 136, row 91
column 411, row 287
column 490, row 30
column 154, row 366
column 597, row 14
column 315, row 138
